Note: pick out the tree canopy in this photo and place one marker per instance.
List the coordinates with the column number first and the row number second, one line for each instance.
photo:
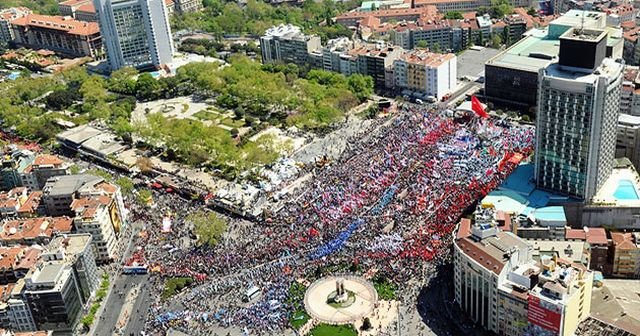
column 453, row 15
column 208, row 226
column 257, row 16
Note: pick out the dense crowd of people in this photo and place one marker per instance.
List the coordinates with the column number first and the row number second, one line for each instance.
column 386, row 208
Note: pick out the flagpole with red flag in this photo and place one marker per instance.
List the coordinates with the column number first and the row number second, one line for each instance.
column 476, row 106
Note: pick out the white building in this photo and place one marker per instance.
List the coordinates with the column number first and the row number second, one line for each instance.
column 505, row 289
column 628, row 138
column 483, row 257
column 578, row 105
column 135, row 32
column 287, row 44
column 76, row 250
column 426, row 73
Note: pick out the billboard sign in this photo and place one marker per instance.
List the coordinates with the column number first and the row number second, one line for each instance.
column 544, row 314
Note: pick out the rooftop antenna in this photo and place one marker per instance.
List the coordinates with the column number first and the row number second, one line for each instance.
column 581, row 23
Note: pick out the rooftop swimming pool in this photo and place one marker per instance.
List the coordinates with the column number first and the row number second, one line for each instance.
column 626, row 191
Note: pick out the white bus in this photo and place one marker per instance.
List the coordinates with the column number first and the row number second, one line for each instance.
column 251, row 293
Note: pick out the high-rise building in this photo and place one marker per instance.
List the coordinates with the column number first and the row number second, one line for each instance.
column 135, row 32
column 578, row 105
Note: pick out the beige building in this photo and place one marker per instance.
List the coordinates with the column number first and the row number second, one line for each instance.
column 99, row 211
column 426, row 73
column 626, row 254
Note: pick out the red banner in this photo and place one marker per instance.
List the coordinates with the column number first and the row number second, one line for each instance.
column 544, row 317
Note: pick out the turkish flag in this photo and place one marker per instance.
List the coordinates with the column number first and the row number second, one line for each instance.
column 476, row 106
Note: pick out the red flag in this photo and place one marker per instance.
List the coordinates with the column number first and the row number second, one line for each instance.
column 476, row 106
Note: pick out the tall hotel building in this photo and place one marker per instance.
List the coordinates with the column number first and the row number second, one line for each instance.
column 135, row 32
column 578, row 105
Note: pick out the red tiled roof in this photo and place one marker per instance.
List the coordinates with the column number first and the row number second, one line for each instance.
column 597, row 236
column 465, row 228
column 33, row 228
column 29, row 259
column 87, row 8
column 481, row 257
column 47, row 159
column 623, row 241
column 574, row 234
column 73, row 2
column 32, row 203
column 62, row 23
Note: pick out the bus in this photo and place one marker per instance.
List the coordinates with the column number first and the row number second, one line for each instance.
column 251, row 293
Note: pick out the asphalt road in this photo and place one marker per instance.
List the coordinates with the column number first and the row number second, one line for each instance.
column 124, row 284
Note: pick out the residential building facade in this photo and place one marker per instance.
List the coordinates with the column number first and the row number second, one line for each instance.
column 53, row 296
column 625, row 253
column 287, row 44
column 62, row 34
column 427, row 73
column 6, row 16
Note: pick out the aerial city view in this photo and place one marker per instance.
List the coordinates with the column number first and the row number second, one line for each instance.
column 319, row 167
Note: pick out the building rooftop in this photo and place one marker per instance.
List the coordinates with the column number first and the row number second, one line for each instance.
column 426, row 58
column 47, row 273
column 32, row 203
column 13, row 13
column 422, row 11
column 68, row 184
column 541, row 46
column 73, row 3
column 87, row 207
column 624, row 241
column 609, row 68
column 61, row 23
column 34, row 228
column 70, row 244
column 492, row 252
column 47, row 160
column 87, row 8
column 618, row 303
column 104, row 144
column 79, row 134
column 573, row 251
column 531, row 53
column 628, row 120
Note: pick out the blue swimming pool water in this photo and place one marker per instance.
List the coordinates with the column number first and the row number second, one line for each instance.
column 13, row 75
column 626, row 191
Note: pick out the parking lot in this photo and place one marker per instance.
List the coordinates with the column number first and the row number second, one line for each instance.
column 471, row 62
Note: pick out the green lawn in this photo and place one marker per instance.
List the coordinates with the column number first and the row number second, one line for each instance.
column 232, row 123
column 299, row 318
column 386, row 290
column 207, row 115
column 331, row 330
